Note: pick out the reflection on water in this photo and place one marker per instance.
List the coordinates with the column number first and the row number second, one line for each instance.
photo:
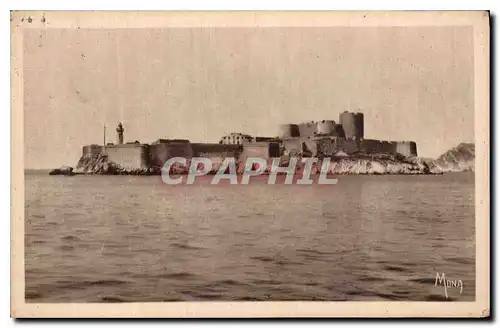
column 124, row 239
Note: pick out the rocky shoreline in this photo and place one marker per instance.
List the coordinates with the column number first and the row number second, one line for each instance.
column 99, row 165
column 458, row 159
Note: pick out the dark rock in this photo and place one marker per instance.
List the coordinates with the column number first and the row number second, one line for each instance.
column 63, row 170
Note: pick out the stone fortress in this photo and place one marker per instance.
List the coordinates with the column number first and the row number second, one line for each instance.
column 311, row 139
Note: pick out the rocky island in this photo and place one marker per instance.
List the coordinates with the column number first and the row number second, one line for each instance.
column 341, row 165
column 458, row 159
column 344, row 144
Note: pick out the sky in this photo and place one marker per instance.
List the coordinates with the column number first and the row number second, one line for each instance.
column 411, row 83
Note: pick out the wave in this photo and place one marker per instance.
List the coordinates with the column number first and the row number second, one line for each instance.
column 89, row 283
column 186, row 246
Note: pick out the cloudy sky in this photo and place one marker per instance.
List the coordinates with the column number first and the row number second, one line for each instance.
column 412, row 83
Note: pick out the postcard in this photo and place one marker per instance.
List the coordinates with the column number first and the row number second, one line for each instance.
column 250, row 164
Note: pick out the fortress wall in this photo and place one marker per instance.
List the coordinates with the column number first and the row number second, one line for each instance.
column 359, row 122
column 92, row 150
column 330, row 145
column 353, row 125
column 413, row 149
column 371, row 146
column 289, row 131
column 159, row 153
column 339, row 131
column 264, row 139
column 274, row 149
column 391, row 148
column 170, row 141
column 129, row 156
column 388, row 147
column 315, row 146
column 308, row 129
column 254, row 151
column 348, row 124
column 309, row 147
column 265, row 150
column 326, row 127
column 348, row 146
column 406, row 148
column 216, row 152
column 292, row 146
column 326, row 146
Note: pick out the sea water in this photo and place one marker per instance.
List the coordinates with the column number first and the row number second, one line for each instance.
column 136, row 239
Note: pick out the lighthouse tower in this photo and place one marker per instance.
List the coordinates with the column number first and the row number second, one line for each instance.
column 119, row 132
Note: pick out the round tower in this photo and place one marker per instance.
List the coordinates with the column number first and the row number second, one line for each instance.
column 347, row 120
column 119, row 132
column 289, row 131
column 360, row 125
column 353, row 125
column 325, row 127
column 339, row 131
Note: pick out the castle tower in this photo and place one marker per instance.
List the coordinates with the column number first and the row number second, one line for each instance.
column 288, row 131
column 353, row 125
column 347, row 120
column 359, row 121
column 119, row 132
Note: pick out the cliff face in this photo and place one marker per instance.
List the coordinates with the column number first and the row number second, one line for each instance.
column 458, row 159
column 99, row 164
column 377, row 166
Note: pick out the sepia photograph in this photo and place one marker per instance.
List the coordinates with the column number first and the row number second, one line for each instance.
column 279, row 164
